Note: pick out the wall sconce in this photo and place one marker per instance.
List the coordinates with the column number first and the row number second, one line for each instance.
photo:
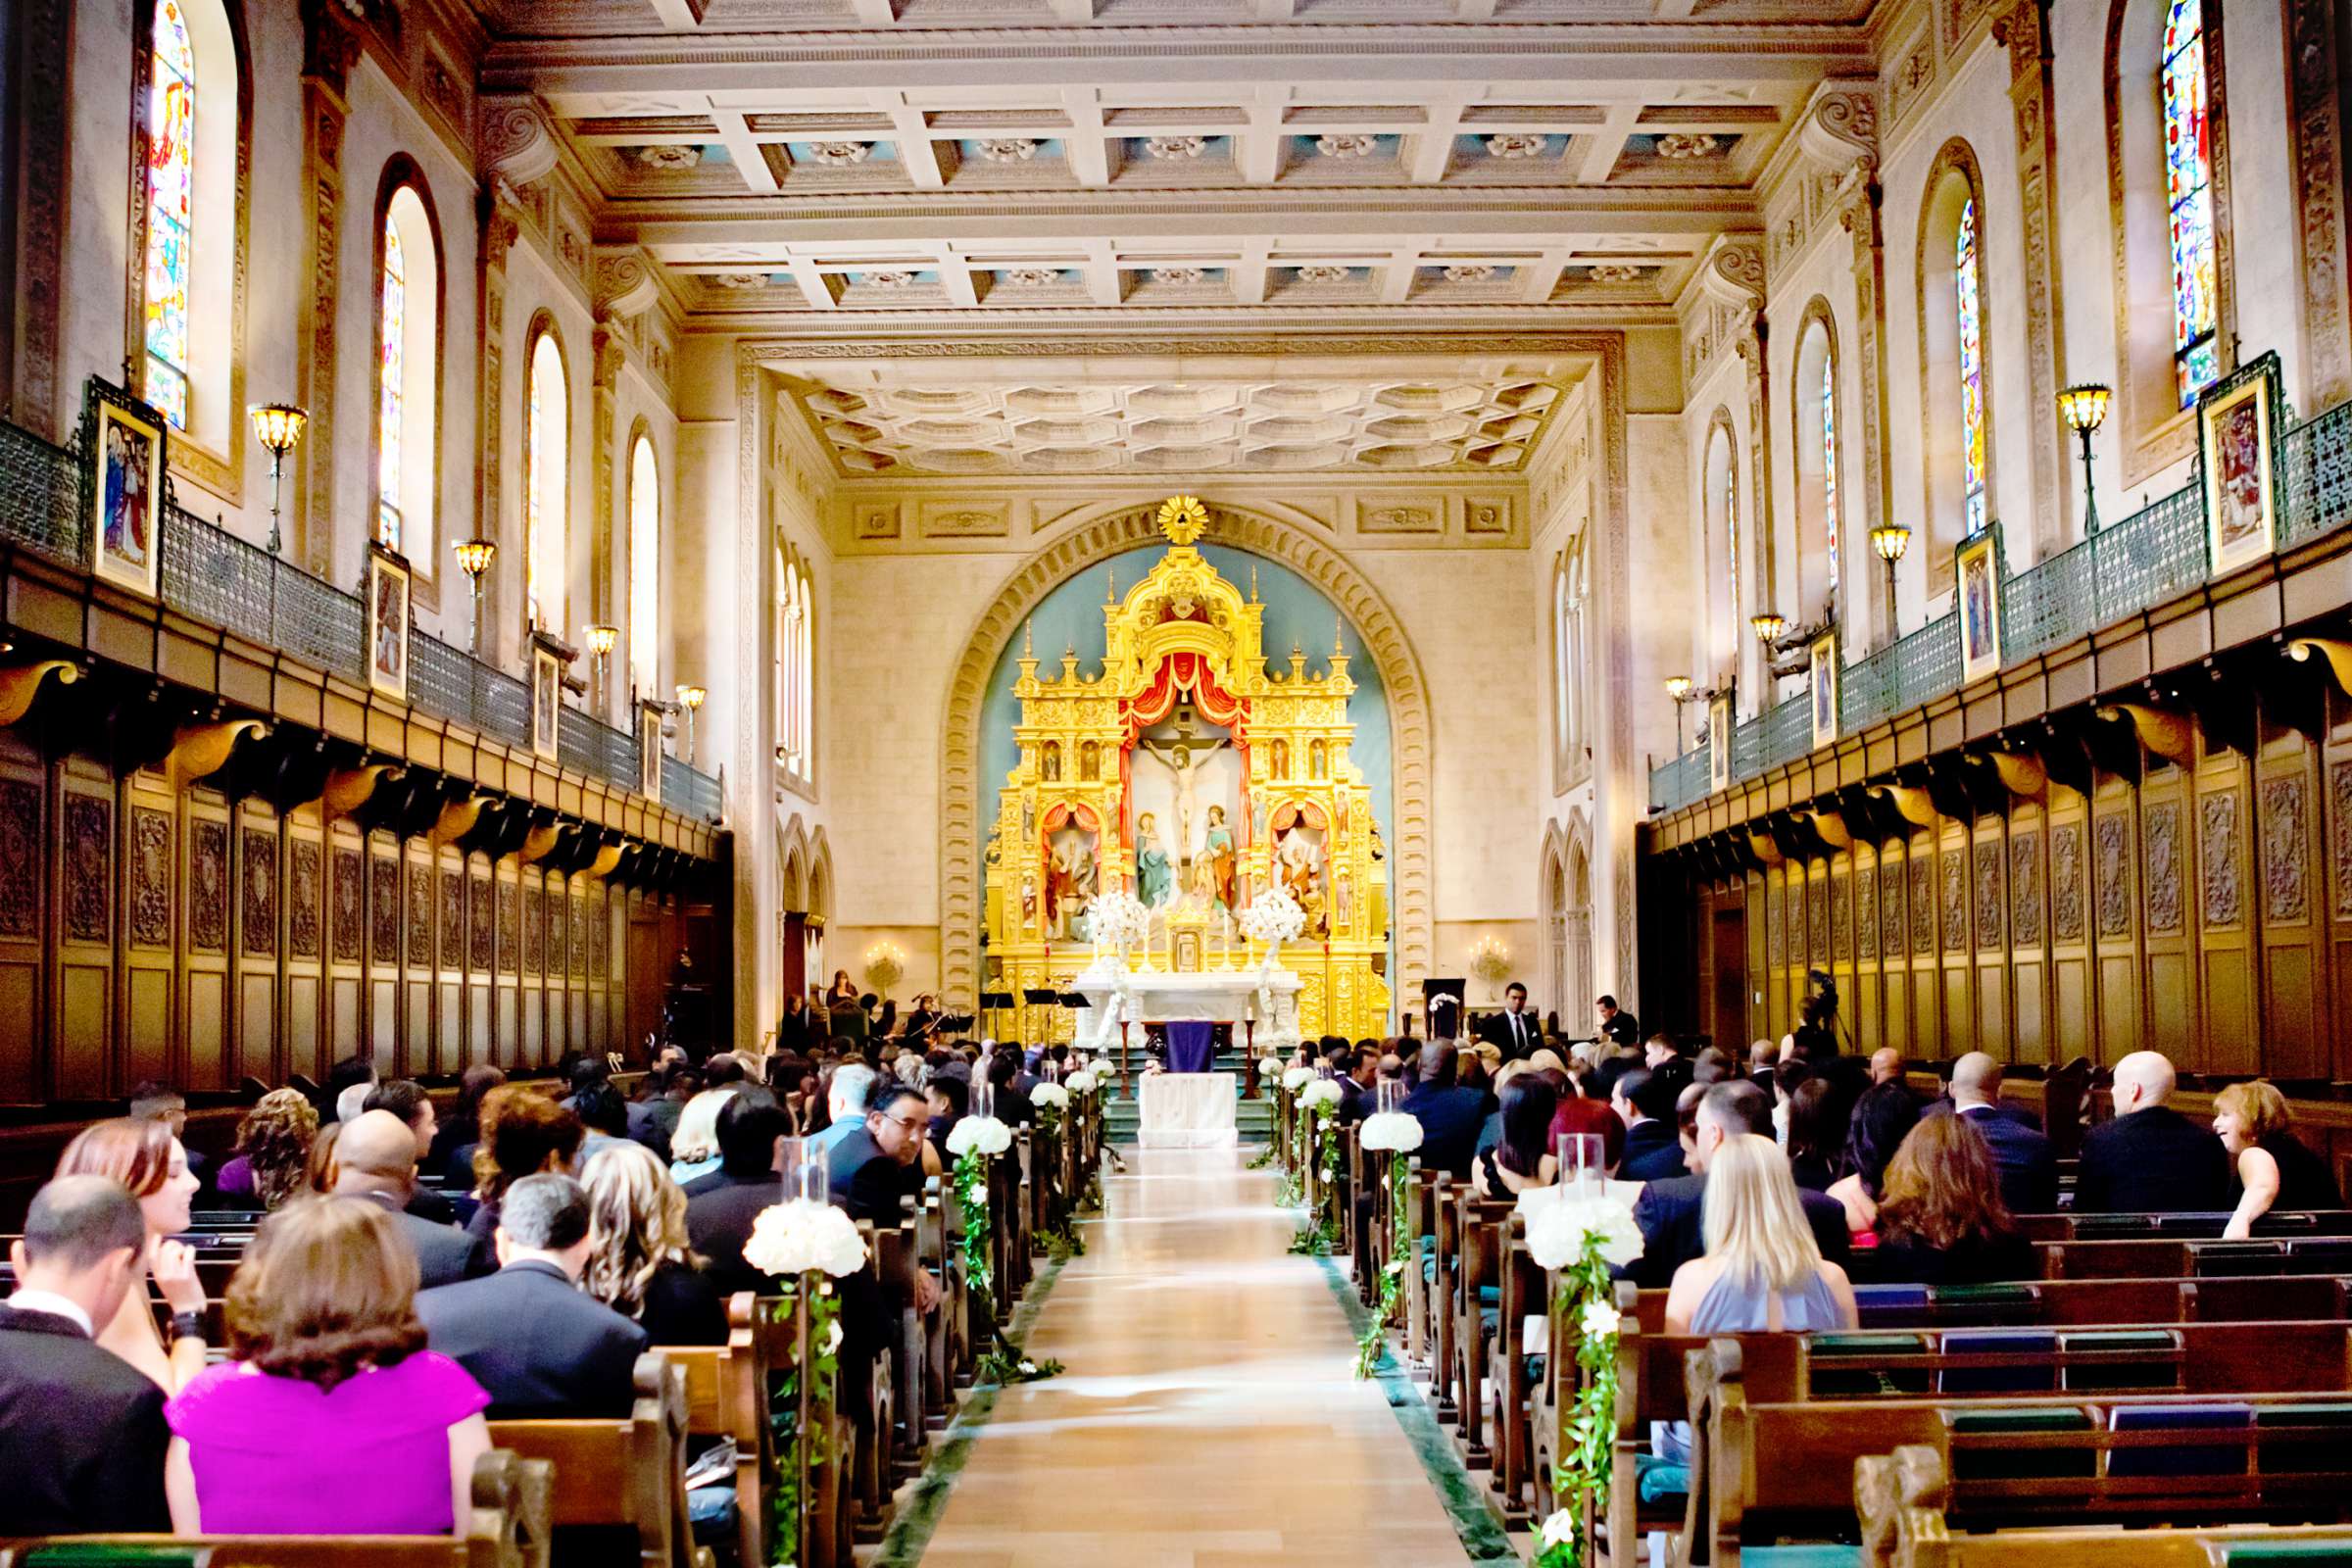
column 278, row 426
column 691, row 699
column 1768, row 625
column 2083, row 408
column 474, row 557
column 600, row 640
column 1891, row 540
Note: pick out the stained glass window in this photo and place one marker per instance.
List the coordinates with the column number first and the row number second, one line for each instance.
column 2188, row 187
column 391, row 375
column 1968, row 308
column 546, row 453
column 1829, row 462
column 805, row 678
column 170, row 177
column 1730, row 529
column 645, row 568
column 795, row 666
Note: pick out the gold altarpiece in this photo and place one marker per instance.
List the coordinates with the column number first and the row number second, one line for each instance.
column 1184, row 657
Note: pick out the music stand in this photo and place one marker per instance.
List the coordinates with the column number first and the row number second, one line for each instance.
column 994, row 1002
column 1036, row 997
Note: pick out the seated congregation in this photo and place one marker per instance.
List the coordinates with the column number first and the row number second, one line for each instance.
column 1860, row 1314
column 471, row 1326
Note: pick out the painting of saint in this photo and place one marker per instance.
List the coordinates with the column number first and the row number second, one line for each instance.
column 546, row 695
column 2237, row 440
column 128, row 491
column 1979, row 608
column 1070, row 882
column 2241, row 504
column 387, row 625
column 1217, row 857
column 1155, row 877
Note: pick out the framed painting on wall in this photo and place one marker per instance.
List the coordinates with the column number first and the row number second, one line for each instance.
column 649, row 750
column 125, row 503
column 547, row 697
column 1977, row 567
column 2238, row 430
column 1821, row 660
column 388, row 586
column 1719, row 744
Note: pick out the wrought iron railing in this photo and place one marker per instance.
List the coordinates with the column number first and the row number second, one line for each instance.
column 2153, row 555
column 211, row 576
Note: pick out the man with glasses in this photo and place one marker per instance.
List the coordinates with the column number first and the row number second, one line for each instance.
column 882, row 1162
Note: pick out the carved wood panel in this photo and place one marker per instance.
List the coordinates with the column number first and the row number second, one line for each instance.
column 350, row 904
column 303, row 893
column 258, row 905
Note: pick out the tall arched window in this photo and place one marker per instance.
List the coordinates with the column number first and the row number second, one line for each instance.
column 1818, row 493
column 1719, row 638
column 805, row 650
column 545, row 459
column 1969, row 322
column 1955, row 386
column 2188, row 189
column 1559, row 667
column 408, row 374
column 795, row 666
column 1572, row 658
column 1829, row 464
column 170, row 210
column 645, row 568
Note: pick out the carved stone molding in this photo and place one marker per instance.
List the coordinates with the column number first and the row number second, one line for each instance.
column 322, row 119
column 518, row 139
column 30, row 382
column 1409, row 715
column 1861, row 220
column 1841, row 125
column 2031, row 96
column 626, row 283
column 2317, row 62
column 1733, row 272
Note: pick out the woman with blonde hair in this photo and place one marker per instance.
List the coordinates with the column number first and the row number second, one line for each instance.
column 639, row 1263
column 147, row 1159
column 1762, row 1269
column 694, row 1146
column 2275, row 1169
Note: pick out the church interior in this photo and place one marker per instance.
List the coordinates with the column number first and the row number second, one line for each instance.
column 1184, row 781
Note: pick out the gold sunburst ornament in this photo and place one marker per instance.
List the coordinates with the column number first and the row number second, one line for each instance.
column 1183, row 518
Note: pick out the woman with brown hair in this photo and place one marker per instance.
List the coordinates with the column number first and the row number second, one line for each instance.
column 147, row 1159
column 2275, row 1169
column 332, row 1418
column 1941, row 1216
column 523, row 1133
column 639, row 1263
column 273, row 1149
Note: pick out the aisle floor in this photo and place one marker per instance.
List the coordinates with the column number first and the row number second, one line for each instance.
column 1209, row 1417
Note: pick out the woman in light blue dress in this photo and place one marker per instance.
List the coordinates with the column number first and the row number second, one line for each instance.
column 1762, row 1270
column 1154, row 878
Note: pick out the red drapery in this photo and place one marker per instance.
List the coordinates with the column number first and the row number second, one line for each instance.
column 1178, row 674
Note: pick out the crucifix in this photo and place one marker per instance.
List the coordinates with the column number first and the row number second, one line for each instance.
column 1181, row 756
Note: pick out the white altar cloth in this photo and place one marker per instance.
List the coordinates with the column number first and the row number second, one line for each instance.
column 1187, row 1110
column 1268, row 999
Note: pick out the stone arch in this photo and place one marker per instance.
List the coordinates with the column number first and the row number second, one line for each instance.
column 792, row 855
column 820, row 876
column 1576, row 916
column 1120, row 527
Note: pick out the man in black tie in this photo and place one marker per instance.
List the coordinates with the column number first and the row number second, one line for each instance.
column 81, row 1432
column 2149, row 1159
column 1514, row 1029
column 1618, row 1026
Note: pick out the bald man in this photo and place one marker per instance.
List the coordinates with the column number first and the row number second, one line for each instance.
column 1886, row 1065
column 2029, row 1172
column 376, row 1158
column 2149, row 1158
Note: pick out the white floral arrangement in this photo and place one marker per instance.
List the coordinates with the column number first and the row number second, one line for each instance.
column 1294, row 1079
column 1050, row 1096
column 1273, row 916
column 1557, row 1233
column 1598, row 1319
column 792, row 1239
column 1322, row 1092
column 979, row 1134
column 1081, row 1082
column 1392, row 1130
column 1269, row 1066
column 1560, row 1530
column 1120, row 920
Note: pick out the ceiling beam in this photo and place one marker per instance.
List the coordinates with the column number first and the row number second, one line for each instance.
column 1258, row 149
column 814, row 286
column 1101, row 272
column 679, row 16
column 1246, row 277
column 1597, row 151
column 955, row 275
column 735, row 130
column 915, row 151
column 1433, row 145
column 1082, row 146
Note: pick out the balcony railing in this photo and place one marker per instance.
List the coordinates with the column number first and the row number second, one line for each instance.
column 2153, row 555
column 214, row 576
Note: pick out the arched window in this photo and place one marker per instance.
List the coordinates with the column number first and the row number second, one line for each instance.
column 1829, row 465
column 2188, row 189
column 408, row 374
column 1720, row 638
column 645, row 568
column 806, row 651
column 187, row 210
column 1559, row 665
column 1818, row 493
column 545, row 459
column 1955, row 392
column 1969, row 322
column 795, row 668
column 170, row 210
column 1571, row 649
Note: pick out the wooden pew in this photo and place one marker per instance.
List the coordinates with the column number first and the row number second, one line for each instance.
column 2201, row 1226
column 822, row 1470
column 627, row 1471
column 1479, row 1231
column 727, row 1395
column 1421, row 1197
column 506, row 1528
column 2154, row 1257
column 897, row 1259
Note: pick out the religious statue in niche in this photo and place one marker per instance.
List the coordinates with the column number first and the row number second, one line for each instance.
column 1298, row 864
column 1028, row 902
column 1090, row 763
column 1318, row 761
column 1070, row 882
column 1155, row 877
column 1217, row 859
column 1049, row 765
column 1278, row 759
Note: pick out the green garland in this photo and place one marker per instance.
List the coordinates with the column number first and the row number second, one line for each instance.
column 1369, row 1347
column 784, row 1500
column 1321, row 1236
column 1004, row 1361
column 1060, row 1230
column 1589, row 1430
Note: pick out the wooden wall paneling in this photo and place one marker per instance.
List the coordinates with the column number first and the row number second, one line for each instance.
column 83, row 972
column 346, row 939
column 603, row 1008
column 1865, row 1000
column 1894, row 948
column 1758, row 982
column 420, row 1043
column 482, row 1043
column 2072, row 995
column 1989, row 932
column 149, row 951
column 1773, row 972
column 1842, row 971
column 204, row 940
column 508, row 1024
column 383, row 953
column 2334, row 811
column 559, row 970
column 25, row 910
column 2029, row 935
column 1923, row 895
column 457, row 1047
column 2293, row 959
column 306, row 1044
column 2229, row 1034
column 647, row 953
column 1816, row 933
column 575, row 990
column 260, row 938
column 2117, row 921
column 1703, row 898
column 2166, row 843
column 532, row 987
column 1956, row 939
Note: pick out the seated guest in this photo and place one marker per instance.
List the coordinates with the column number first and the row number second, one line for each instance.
column 2149, row 1159
column 1011, row 1100
column 949, row 1098
column 155, row 1100
column 605, row 1115
column 1670, row 1212
column 271, row 1162
column 640, row 1263
column 332, row 1417
column 1886, row 1067
column 721, row 1206
column 881, row 1163
column 1762, row 1269
column 2020, row 1151
column 523, row 1134
column 374, row 1164
column 1762, row 1058
column 693, row 1146
column 1816, row 1136
column 81, row 1430
column 1580, row 1112
column 845, row 1103
column 539, row 1345
column 655, row 1118
column 1449, row 1113
column 146, row 1160
column 1882, row 1117
column 355, row 1071
column 1710, row 1066
column 1645, row 1102
column 406, row 1098
column 2274, row 1168
column 1522, row 1159
column 1941, row 1220
column 1358, row 1066
column 451, row 1157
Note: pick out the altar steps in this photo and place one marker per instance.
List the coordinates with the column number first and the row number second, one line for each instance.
column 1253, row 1119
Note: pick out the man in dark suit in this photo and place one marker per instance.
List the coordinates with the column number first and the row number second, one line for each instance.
column 1619, row 1027
column 376, row 1158
column 2149, row 1158
column 1672, row 1212
column 536, row 1344
column 1514, row 1029
column 2029, row 1172
column 881, row 1163
column 1358, row 1068
column 1653, row 1146
column 81, row 1432
column 721, row 1206
column 1450, row 1114
column 407, row 1100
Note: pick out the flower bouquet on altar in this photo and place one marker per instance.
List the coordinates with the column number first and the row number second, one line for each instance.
column 1273, row 918
column 1121, row 922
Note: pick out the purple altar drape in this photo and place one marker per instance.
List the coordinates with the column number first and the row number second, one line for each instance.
column 1192, row 1047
